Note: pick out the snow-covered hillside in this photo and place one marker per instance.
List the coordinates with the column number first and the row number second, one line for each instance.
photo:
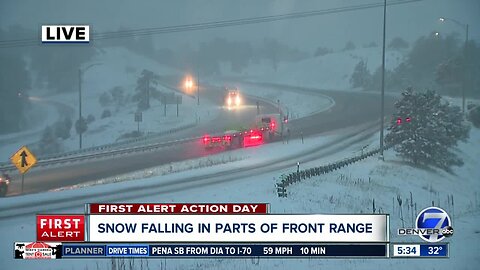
column 117, row 67
column 330, row 71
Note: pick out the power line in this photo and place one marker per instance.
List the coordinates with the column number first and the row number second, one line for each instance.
column 210, row 25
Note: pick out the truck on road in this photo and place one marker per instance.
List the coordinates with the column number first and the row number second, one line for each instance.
column 266, row 128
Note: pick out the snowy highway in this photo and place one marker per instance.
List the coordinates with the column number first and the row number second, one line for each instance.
column 349, row 110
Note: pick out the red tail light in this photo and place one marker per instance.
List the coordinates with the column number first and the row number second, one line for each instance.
column 216, row 139
column 206, row 138
column 408, row 119
column 399, row 121
column 272, row 125
column 255, row 138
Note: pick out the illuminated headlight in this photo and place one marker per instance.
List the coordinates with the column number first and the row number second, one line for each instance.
column 237, row 100
column 229, row 101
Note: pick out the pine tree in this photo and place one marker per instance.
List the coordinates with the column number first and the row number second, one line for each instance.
column 146, row 89
column 424, row 129
column 398, row 43
column 360, row 76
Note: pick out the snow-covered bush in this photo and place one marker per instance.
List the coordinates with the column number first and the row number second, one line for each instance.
column 90, row 118
column 105, row 99
column 398, row 43
column 49, row 143
column 106, row 113
column 62, row 128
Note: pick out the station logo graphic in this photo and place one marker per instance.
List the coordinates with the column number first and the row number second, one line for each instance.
column 38, row 250
column 432, row 225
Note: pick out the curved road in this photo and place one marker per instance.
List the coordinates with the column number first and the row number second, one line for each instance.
column 350, row 109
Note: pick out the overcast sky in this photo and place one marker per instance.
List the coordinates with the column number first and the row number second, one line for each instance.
column 407, row 21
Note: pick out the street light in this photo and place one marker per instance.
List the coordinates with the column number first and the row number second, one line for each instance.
column 465, row 27
column 189, row 85
column 80, row 74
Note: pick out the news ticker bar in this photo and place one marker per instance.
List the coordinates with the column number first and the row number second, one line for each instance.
column 71, row 250
column 51, row 250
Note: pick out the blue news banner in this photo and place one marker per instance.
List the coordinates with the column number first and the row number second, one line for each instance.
column 89, row 250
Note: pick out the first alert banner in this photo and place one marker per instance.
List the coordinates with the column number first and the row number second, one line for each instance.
column 238, row 228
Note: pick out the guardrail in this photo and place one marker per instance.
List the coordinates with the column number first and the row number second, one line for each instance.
column 294, row 177
column 83, row 154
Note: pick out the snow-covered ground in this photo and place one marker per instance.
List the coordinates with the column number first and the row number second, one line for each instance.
column 350, row 190
column 330, row 71
column 117, row 67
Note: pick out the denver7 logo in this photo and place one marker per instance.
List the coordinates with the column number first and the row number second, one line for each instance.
column 433, row 218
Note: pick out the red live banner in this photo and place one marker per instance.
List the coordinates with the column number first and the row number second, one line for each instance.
column 60, row 228
column 178, row 208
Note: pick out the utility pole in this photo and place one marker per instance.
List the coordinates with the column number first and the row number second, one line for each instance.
column 178, row 101
column 198, row 87
column 80, row 106
column 382, row 100
column 467, row 69
column 467, row 75
column 80, row 121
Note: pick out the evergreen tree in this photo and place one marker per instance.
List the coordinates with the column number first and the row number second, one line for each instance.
column 146, row 89
column 321, row 51
column 424, row 129
column 398, row 43
column 474, row 116
column 118, row 96
column 349, row 46
column 105, row 99
column 360, row 76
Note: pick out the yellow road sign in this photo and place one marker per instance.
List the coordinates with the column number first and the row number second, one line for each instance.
column 23, row 159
